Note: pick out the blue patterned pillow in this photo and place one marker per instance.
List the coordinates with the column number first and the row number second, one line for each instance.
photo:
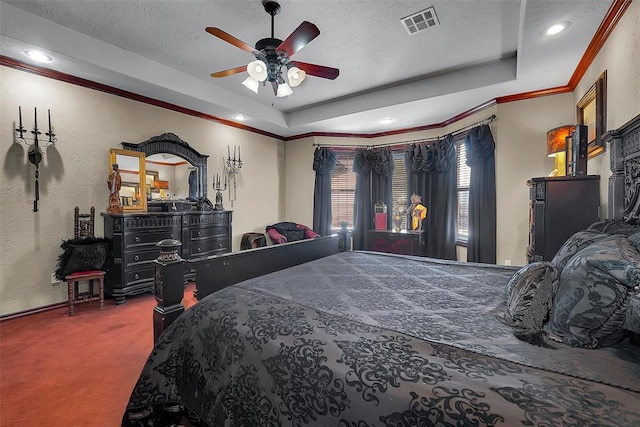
column 529, row 296
column 575, row 243
column 594, row 291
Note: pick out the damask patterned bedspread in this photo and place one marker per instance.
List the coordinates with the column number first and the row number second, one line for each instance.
column 363, row 339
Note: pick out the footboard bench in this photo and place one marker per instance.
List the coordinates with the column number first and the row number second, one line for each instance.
column 219, row 271
column 216, row 272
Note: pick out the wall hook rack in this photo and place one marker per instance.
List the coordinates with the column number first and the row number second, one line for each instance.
column 34, row 144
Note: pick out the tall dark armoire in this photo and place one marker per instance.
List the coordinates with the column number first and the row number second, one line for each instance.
column 560, row 206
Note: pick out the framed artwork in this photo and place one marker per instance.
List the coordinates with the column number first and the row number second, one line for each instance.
column 591, row 111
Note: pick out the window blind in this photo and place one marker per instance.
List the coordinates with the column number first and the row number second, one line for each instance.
column 343, row 189
column 463, row 182
column 399, row 185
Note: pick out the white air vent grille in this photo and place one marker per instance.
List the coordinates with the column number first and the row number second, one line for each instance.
column 420, row 21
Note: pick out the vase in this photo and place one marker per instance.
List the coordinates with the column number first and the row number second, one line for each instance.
column 397, row 222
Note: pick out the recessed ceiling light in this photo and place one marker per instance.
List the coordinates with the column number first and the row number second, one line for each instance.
column 386, row 120
column 556, row 28
column 36, row 55
column 240, row 117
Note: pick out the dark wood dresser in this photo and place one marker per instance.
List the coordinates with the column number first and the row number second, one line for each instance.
column 134, row 236
column 558, row 208
column 397, row 242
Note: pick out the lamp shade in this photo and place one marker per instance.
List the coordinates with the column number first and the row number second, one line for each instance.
column 557, row 139
column 257, row 70
column 283, row 90
column 295, row 76
column 251, row 83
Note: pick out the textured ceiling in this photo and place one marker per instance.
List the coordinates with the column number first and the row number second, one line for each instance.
column 159, row 48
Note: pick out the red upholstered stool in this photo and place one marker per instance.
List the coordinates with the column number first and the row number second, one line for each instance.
column 77, row 297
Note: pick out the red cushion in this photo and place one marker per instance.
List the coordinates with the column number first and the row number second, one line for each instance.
column 84, row 274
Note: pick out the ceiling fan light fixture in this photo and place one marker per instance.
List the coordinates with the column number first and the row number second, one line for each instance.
column 251, row 83
column 283, row 90
column 295, row 76
column 257, row 70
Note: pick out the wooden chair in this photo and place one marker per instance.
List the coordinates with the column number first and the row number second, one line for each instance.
column 83, row 227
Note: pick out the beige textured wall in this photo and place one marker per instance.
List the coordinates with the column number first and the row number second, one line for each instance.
column 88, row 123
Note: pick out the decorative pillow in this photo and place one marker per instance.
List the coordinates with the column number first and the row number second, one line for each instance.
column 575, row 243
column 635, row 239
column 82, row 255
column 594, row 292
column 610, row 226
column 529, row 296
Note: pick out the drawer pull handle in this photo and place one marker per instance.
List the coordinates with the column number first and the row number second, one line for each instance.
column 199, row 250
column 172, row 235
column 219, row 245
column 137, row 276
column 137, row 239
column 136, row 258
column 199, row 233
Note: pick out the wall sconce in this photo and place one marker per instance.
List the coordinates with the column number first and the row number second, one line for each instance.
column 35, row 150
column 232, row 167
column 557, row 148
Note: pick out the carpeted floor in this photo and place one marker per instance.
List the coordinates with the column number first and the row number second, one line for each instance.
column 57, row 370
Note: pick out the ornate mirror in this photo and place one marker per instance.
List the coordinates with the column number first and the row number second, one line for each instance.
column 131, row 166
column 186, row 177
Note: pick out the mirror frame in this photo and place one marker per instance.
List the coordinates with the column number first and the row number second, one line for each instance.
column 172, row 144
column 113, row 153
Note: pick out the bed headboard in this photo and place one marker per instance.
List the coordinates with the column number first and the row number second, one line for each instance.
column 624, row 183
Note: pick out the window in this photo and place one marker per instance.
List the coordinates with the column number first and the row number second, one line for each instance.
column 464, row 180
column 343, row 189
column 399, row 186
column 343, row 186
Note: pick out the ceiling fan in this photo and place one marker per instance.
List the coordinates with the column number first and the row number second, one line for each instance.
column 273, row 55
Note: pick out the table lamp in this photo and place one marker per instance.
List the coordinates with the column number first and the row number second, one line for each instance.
column 557, row 148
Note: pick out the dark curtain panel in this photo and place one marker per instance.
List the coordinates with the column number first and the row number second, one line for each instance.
column 431, row 173
column 324, row 161
column 374, row 172
column 480, row 148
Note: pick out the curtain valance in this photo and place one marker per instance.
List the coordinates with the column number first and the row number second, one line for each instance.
column 479, row 144
column 437, row 157
column 378, row 161
column 324, row 160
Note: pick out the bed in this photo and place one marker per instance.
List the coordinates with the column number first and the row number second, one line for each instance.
column 371, row 339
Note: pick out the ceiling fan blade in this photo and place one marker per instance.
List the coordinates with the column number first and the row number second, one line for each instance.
column 317, row 70
column 230, row 72
column 299, row 38
column 230, row 39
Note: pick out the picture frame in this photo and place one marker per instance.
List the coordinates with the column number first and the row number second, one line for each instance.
column 591, row 111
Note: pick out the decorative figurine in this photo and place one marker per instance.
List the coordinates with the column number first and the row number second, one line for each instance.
column 114, row 183
column 417, row 212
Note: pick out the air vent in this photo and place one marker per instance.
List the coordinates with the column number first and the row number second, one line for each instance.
column 420, row 21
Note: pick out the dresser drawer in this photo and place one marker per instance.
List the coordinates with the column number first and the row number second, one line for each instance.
column 202, row 232
column 208, row 247
column 133, row 258
column 134, row 276
column 149, row 238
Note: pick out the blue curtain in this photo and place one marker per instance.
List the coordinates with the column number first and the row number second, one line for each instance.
column 324, row 161
column 374, row 173
column 480, row 146
column 431, row 173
